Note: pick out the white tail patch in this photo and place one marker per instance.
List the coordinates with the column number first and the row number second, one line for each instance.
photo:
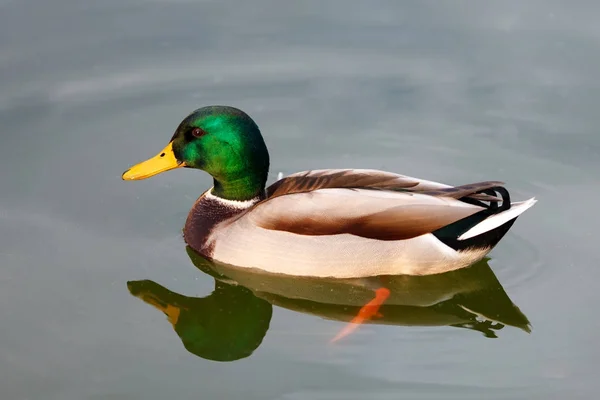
column 499, row 219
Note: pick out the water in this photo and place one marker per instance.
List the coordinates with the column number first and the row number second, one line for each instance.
column 455, row 92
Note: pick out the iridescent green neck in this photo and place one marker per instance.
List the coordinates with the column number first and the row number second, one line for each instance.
column 244, row 188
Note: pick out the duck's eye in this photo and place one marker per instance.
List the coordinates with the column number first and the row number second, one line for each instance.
column 197, row 132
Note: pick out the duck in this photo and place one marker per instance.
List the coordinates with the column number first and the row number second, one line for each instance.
column 327, row 223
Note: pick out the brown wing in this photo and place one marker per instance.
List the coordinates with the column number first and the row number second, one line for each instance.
column 308, row 181
column 371, row 214
column 471, row 191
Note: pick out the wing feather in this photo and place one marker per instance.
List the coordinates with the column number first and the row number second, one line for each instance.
column 383, row 215
column 308, row 181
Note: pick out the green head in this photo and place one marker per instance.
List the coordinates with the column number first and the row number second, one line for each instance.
column 221, row 140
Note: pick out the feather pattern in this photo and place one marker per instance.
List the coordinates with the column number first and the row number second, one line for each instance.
column 383, row 215
column 308, row 181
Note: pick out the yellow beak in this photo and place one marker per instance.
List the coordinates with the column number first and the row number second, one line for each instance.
column 163, row 161
column 172, row 312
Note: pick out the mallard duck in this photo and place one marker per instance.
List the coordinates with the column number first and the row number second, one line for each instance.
column 341, row 223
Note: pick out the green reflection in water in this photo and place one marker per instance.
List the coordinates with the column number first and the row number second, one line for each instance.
column 231, row 322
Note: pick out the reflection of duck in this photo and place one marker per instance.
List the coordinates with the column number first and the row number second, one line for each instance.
column 231, row 322
column 357, row 223
column 226, row 325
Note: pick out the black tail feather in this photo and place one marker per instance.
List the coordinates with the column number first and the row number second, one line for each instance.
column 449, row 234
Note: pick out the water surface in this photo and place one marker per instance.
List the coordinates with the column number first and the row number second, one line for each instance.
column 456, row 92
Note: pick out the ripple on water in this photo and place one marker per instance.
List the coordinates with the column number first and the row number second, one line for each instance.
column 517, row 262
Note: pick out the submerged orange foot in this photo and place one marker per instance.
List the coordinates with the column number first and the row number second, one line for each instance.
column 367, row 312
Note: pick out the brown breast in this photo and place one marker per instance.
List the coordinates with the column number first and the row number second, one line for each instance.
column 206, row 213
